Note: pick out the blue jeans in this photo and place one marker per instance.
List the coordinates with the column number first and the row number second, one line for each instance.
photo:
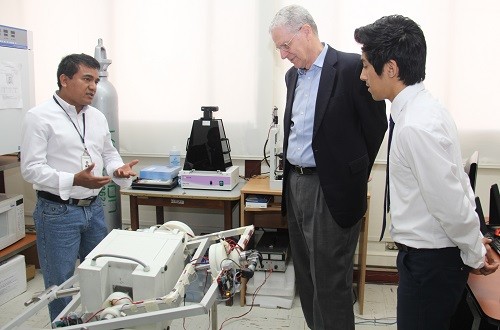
column 65, row 233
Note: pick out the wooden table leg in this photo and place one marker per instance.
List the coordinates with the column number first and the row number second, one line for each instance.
column 2, row 183
column 363, row 241
column 134, row 213
column 243, row 291
column 228, row 215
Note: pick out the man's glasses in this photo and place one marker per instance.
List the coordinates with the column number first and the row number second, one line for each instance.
column 286, row 46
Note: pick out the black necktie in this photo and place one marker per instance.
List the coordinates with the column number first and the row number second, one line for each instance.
column 387, row 198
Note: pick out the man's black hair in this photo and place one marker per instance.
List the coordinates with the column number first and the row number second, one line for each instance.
column 395, row 38
column 70, row 65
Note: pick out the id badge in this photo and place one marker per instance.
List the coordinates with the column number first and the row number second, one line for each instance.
column 86, row 160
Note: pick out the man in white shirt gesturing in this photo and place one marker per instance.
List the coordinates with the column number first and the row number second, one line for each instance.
column 66, row 144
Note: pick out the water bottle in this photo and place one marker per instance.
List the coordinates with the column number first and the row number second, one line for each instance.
column 175, row 157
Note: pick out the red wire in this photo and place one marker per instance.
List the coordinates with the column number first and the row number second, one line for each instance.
column 253, row 299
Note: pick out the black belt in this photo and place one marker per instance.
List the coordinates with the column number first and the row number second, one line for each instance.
column 406, row 248
column 402, row 247
column 304, row 170
column 71, row 201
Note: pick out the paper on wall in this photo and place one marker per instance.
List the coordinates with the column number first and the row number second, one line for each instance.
column 10, row 85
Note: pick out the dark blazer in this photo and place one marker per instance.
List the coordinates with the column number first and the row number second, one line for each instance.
column 349, row 127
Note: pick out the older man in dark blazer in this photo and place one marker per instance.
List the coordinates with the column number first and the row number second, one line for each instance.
column 332, row 132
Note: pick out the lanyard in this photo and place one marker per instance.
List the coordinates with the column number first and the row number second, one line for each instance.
column 82, row 137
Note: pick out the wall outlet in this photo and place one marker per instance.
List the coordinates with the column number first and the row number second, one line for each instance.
column 390, row 246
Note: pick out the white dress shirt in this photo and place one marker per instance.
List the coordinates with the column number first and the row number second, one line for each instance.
column 432, row 202
column 52, row 148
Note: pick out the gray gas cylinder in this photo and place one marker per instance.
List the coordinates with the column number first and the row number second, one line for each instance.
column 106, row 100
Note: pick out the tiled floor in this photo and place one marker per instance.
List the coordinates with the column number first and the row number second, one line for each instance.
column 379, row 313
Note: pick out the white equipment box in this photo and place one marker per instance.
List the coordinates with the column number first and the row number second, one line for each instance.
column 140, row 264
column 11, row 219
column 12, row 278
column 213, row 180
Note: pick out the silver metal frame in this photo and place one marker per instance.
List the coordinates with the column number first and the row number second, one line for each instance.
column 200, row 243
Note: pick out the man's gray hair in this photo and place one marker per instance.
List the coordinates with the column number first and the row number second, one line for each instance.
column 293, row 17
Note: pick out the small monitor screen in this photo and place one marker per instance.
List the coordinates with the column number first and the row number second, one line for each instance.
column 480, row 214
column 494, row 205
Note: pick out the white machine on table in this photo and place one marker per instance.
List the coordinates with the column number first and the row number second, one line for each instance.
column 213, row 180
column 137, row 279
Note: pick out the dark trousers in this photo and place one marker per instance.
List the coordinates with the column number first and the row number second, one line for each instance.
column 431, row 283
column 322, row 254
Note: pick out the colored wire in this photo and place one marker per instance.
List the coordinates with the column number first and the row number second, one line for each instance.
column 253, row 299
